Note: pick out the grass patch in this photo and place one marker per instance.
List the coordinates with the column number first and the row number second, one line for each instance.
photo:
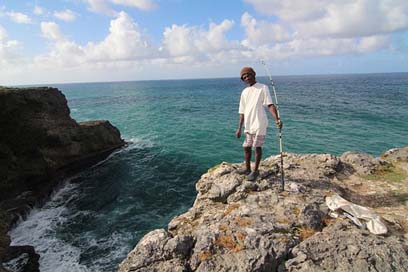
column 223, row 227
column 204, row 255
column 296, row 211
column 328, row 220
column 228, row 241
column 242, row 222
column 283, row 220
column 230, row 208
column 305, row 233
column 387, row 172
column 402, row 197
column 241, row 236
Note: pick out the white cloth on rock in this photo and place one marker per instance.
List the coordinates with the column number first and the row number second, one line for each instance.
column 373, row 220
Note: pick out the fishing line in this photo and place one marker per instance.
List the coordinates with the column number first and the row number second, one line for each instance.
column 280, row 129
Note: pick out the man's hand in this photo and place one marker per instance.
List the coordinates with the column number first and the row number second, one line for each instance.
column 238, row 133
column 279, row 124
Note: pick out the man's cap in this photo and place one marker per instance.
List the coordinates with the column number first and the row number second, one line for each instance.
column 247, row 70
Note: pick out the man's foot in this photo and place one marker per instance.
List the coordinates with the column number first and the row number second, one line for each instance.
column 253, row 176
column 244, row 171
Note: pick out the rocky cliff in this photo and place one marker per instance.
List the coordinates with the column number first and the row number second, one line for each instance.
column 236, row 225
column 40, row 144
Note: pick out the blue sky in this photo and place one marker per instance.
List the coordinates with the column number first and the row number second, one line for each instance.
column 111, row 40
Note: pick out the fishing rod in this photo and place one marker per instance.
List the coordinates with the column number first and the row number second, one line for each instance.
column 280, row 129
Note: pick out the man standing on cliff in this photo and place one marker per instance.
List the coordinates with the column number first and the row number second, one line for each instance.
column 254, row 99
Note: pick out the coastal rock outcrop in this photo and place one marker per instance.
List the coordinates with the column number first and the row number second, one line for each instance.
column 39, row 144
column 236, row 225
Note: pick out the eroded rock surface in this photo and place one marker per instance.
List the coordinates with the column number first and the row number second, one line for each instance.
column 236, row 225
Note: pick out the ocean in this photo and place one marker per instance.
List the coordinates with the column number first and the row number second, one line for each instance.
column 176, row 130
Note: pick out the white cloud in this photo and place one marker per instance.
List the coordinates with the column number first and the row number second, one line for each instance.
column 50, row 30
column 338, row 18
column 65, row 15
column 63, row 52
column 262, row 32
column 314, row 47
column 8, row 48
column 290, row 10
column 322, row 28
column 300, row 28
column 140, row 4
column 183, row 44
column 124, row 42
column 100, row 6
column 103, row 6
column 187, row 44
column 357, row 19
column 373, row 43
column 19, row 17
column 38, row 10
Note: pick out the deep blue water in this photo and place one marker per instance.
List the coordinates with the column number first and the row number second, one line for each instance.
column 177, row 129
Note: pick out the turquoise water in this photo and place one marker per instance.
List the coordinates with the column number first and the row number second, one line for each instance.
column 177, row 130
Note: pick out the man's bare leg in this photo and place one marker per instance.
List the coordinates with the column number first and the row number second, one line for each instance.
column 258, row 157
column 254, row 174
column 247, row 156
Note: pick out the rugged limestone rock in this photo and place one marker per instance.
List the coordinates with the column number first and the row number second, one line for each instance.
column 362, row 163
column 236, row 225
column 160, row 250
column 343, row 247
column 396, row 154
column 39, row 144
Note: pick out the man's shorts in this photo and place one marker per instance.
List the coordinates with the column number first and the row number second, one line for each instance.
column 253, row 140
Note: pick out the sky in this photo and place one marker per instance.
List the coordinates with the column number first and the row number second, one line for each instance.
column 63, row 41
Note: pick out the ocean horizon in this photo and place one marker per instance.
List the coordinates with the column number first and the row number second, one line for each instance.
column 177, row 130
column 260, row 75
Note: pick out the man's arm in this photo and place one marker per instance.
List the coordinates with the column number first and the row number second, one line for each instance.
column 274, row 113
column 240, row 123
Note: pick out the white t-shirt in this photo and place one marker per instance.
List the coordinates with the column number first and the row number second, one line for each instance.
column 254, row 100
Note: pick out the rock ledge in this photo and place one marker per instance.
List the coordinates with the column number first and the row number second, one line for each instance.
column 236, row 225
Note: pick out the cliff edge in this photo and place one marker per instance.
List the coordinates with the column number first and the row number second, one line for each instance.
column 236, row 225
column 40, row 144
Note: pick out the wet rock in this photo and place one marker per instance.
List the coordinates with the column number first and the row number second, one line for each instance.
column 40, row 144
column 22, row 259
column 5, row 223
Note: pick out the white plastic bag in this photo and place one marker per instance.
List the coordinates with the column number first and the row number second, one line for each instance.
column 355, row 212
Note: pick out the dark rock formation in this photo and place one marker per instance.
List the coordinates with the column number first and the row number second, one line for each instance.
column 22, row 258
column 40, row 144
column 236, row 225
